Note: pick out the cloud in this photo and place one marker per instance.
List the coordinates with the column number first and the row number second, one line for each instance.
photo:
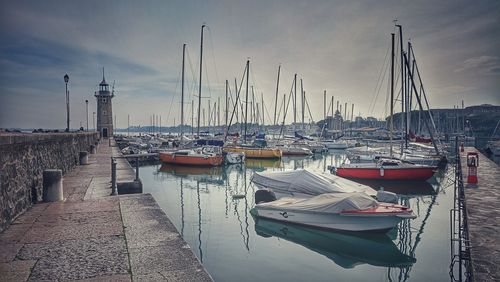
column 483, row 64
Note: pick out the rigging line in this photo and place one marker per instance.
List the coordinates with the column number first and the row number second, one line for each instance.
column 173, row 96
column 236, row 103
column 383, row 70
column 308, row 109
column 213, row 55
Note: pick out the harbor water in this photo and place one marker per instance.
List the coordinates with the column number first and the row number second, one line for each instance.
column 234, row 246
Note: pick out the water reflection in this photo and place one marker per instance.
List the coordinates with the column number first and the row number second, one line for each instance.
column 345, row 249
column 204, row 204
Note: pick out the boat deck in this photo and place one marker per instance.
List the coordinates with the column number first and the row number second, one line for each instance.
column 483, row 210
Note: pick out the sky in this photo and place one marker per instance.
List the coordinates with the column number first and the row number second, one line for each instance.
column 337, row 46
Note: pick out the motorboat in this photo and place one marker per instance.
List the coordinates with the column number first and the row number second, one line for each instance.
column 353, row 212
column 387, row 169
column 201, row 156
column 335, row 144
column 234, row 158
column 306, row 183
column 347, row 250
column 294, row 150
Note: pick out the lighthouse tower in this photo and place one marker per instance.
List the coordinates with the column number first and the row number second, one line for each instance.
column 104, row 109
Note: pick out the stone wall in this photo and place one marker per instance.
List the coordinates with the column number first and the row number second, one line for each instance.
column 24, row 157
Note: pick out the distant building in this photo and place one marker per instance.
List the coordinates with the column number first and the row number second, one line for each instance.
column 104, row 109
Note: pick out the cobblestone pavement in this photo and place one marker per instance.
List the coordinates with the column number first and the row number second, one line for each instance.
column 483, row 213
column 96, row 237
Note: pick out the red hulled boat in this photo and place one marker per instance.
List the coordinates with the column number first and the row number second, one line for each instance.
column 386, row 169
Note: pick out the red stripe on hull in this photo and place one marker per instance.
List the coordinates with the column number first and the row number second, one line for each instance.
column 423, row 173
column 191, row 160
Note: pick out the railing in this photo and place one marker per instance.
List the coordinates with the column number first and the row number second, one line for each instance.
column 137, row 157
column 459, row 229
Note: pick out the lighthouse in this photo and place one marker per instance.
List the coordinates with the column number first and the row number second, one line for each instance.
column 104, row 109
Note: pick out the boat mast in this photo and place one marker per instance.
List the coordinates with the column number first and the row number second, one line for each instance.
column 324, row 105
column 262, row 105
column 392, row 93
column 246, row 103
column 404, row 99
column 294, row 101
column 199, row 86
column 276, row 99
column 302, row 98
column 182, row 90
column 227, row 86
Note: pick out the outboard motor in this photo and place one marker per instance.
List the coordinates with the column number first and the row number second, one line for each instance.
column 387, row 197
column 264, row 196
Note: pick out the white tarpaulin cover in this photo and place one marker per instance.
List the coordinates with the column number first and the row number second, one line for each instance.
column 325, row 203
column 307, row 182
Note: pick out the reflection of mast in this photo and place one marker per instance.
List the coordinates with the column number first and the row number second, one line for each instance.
column 405, row 243
column 182, row 209
column 199, row 220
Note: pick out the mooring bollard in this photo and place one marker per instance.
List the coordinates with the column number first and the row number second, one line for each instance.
column 92, row 149
column 137, row 169
column 52, row 185
column 114, row 187
column 84, row 158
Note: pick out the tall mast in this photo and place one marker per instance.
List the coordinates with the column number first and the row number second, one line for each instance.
column 199, row 86
column 324, row 105
column 302, row 98
column 262, row 105
column 276, row 99
column 227, row 112
column 246, row 103
column 182, row 90
column 294, row 101
column 392, row 92
column 404, row 125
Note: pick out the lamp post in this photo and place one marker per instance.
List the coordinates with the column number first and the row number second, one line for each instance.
column 87, row 113
column 93, row 120
column 66, row 79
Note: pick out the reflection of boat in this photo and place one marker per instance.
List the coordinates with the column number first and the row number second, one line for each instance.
column 345, row 249
column 401, row 187
column 336, row 211
column 204, row 156
column 386, row 169
column 256, row 153
column 203, row 174
column 263, row 163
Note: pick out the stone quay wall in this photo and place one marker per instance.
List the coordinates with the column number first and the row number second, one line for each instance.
column 24, row 157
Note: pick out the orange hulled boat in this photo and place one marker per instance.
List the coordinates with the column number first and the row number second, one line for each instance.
column 203, row 156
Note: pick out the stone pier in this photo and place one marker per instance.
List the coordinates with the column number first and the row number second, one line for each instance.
column 92, row 236
column 483, row 214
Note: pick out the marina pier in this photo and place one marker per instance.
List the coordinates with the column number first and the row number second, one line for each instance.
column 92, row 235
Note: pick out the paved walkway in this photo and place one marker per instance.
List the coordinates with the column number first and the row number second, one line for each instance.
column 483, row 213
column 96, row 237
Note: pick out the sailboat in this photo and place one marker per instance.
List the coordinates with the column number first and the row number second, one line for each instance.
column 390, row 168
column 201, row 156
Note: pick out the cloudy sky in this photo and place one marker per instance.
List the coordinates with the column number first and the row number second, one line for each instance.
column 337, row 46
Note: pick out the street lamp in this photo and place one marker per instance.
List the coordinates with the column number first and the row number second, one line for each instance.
column 87, row 113
column 66, row 79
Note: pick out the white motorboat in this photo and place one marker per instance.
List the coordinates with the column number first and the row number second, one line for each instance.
column 335, row 211
column 234, row 158
column 335, row 144
column 306, row 183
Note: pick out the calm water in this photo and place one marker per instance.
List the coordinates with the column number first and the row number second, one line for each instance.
column 234, row 246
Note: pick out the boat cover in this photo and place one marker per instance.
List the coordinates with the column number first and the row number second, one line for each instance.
column 324, row 203
column 309, row 182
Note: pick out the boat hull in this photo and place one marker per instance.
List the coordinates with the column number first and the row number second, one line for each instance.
column 352, row 223
column 420, row 173
column 256, row 153
column 172, row 158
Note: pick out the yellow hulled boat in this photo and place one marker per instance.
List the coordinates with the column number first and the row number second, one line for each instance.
column 256, row 153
